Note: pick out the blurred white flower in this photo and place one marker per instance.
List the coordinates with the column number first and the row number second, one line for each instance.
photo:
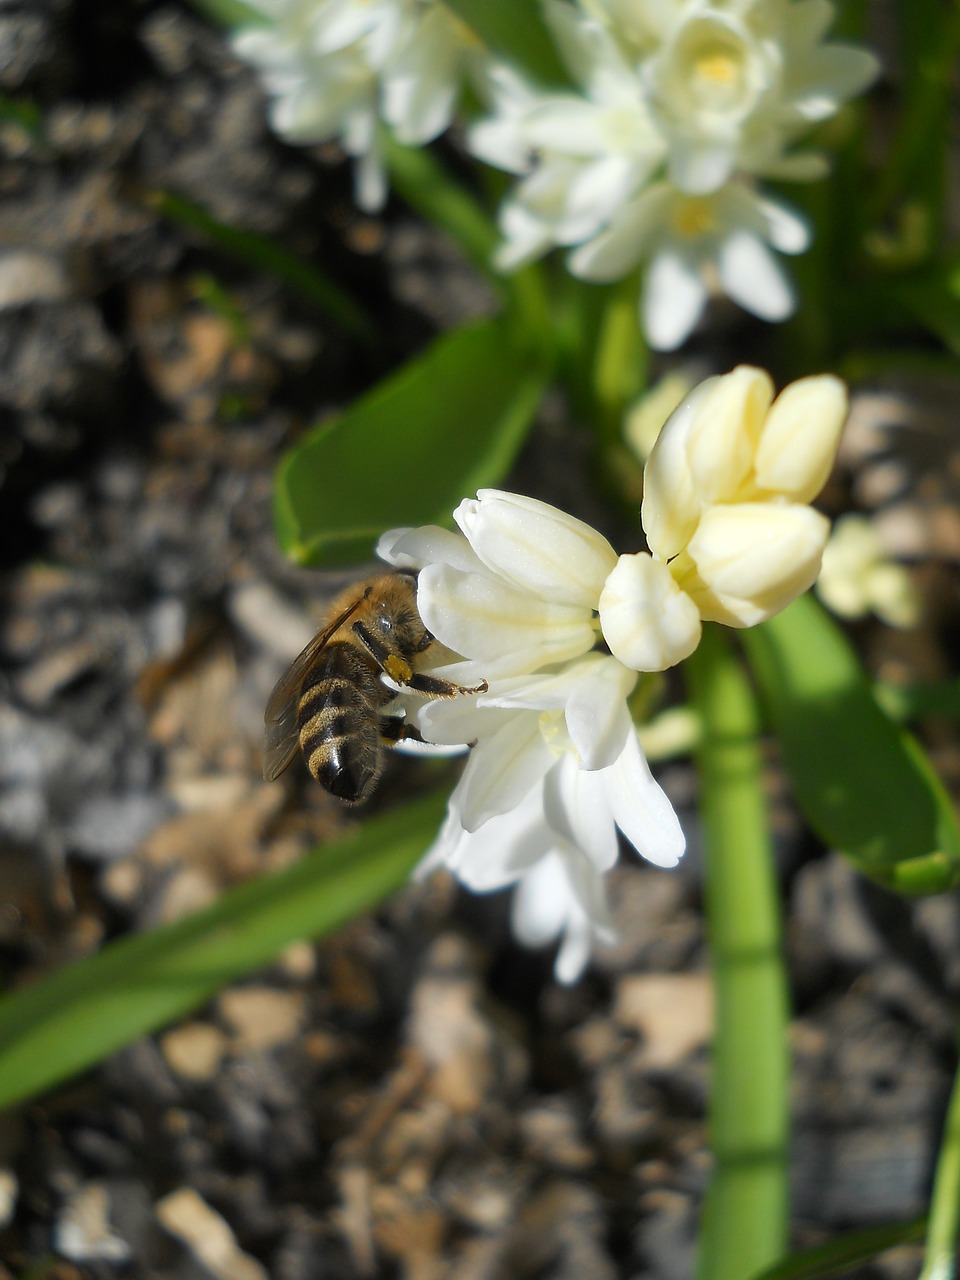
column 694, row 246
column 682, row 105
column 335, row 68
column 583, row 154
column 859, row 576
column 733, row 85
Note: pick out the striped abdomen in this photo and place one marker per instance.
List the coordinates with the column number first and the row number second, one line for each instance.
column 338, row 721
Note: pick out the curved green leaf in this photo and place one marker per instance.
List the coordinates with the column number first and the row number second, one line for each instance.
column 863, row 783
column 79, row 1015
column 445, row 425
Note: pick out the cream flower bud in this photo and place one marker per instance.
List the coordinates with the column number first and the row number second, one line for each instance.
column 536, row 547
column 753, row 559
column 671, row 504
column 648, row 622
column 800, row 437
column 725, row 432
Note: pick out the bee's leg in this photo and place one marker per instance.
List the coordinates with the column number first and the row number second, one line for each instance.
column 433, row 687
column 399, row 670
column 394, row 729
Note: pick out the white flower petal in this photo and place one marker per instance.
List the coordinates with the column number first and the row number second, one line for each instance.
column 724, row 433
column 429, row 544
column 752, row 277
column 536, row 547
column 562, row 896
column 641, row 809
column 503, row 768
column 786, row 229
column 484, row 617
column 576, row 808
column 674, row 296
column 597, row 717
column 505, row 847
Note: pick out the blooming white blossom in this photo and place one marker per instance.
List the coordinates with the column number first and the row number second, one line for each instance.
column 335, row 68
column 593, row 149
column 726, row 509
column 695, row 246
column 556, row 767
column 680, row 105
column 859, row 576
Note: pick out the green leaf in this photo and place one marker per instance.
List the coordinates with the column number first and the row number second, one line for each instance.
column 843, row 1252
column 431, row 434
column 76, row 1017
column 934, row 301
column 863, row 783
column 515, row 30
column 231, row 13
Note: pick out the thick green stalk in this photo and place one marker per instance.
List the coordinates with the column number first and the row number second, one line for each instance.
column 744, row 1226
column 943, row 1232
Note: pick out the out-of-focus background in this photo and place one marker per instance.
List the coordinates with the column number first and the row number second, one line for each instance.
column 414, row 1097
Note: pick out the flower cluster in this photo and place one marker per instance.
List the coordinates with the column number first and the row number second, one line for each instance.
column 540, row 606
column 679, row 106
column 336, row 68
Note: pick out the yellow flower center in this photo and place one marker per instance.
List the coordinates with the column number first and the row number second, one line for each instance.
column 694, row 218
column 717, row 67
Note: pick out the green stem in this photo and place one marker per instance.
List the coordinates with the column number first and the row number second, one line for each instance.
column 943, row 1234
column 744, row 1225
column 620, row 362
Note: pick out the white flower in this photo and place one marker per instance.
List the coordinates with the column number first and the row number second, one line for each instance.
column 583, row 154
column 334, row 68
column 682, row 104
column 518, row 592
column 859, row 576
column 694, row 246
column 556, row 767
column 318, row 96
column 733, row 85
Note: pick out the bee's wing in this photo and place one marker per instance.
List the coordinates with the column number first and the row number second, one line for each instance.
column 281, row 735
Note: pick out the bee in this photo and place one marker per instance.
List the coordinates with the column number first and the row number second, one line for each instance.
column 330, row 703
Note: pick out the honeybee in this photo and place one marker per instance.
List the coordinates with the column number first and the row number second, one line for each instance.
column 330, row 702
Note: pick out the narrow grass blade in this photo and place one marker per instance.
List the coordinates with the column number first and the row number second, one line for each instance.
column 76, row 1017
column 263, row 252
column 845, row 1251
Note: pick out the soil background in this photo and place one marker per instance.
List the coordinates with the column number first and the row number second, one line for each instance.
column 414, row 1097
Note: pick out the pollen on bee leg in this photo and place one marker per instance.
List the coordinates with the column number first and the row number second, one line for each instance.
column 398, row 669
